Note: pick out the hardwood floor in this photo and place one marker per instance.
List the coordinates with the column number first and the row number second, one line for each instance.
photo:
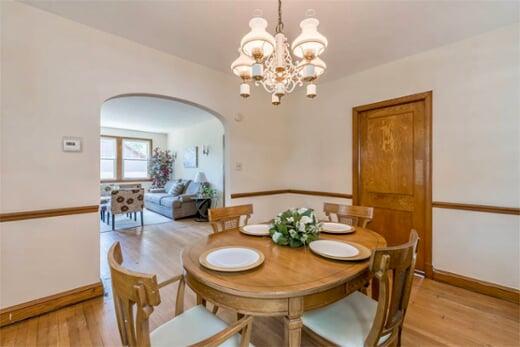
column 438, row 314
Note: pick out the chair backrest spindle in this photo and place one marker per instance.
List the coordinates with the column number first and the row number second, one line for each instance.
column 358, row 216
column 225, row 218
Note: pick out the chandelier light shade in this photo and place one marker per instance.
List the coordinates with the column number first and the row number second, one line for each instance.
column 310, row 43
column 258, row 43
column 267, row 61
column 242, row 67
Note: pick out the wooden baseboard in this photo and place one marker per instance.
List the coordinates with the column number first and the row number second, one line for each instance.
column 37, row 307
column 478, row 286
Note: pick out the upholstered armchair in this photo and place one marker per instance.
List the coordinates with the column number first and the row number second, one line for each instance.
column 127, row 201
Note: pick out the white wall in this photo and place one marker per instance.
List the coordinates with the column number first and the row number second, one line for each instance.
column 476, row 149
column 158, row 139
column 209, row 133
column 56, row 74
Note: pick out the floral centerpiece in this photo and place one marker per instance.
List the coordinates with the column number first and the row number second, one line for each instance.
column 295, row 227
column 161, row 167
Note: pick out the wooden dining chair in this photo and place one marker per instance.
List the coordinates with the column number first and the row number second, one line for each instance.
column 357, row 319
column 225, row 218
column 357, row 216
column 135, row 296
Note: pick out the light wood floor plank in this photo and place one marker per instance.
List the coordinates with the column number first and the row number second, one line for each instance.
column 438, row 314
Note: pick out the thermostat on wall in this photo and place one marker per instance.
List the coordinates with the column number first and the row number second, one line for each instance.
column 71, row 144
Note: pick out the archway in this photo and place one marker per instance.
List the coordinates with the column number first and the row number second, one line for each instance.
column 135, row 124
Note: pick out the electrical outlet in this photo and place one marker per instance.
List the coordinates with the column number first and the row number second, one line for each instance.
column 238, row 166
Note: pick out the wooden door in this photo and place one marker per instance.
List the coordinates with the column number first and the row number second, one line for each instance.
column 392, row 169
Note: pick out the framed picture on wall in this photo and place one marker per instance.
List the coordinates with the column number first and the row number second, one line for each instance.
column 191, row 157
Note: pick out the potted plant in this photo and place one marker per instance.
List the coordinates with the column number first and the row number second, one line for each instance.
column 161, row 167
column 207, row 192
column 295, row 227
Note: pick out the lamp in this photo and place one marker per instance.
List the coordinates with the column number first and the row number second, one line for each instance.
column 200, row 177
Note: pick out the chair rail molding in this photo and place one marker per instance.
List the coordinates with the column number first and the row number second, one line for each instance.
column 290, row 191
column 477, row 208
column 64, row 211
column 435, row 204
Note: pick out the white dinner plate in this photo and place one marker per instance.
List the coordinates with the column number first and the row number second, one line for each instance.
column 337, row 228
column 256, row 229
column 339, row 250
column 231, row 259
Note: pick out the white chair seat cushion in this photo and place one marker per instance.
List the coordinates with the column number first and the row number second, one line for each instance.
column 192, row 326
column 346, row 322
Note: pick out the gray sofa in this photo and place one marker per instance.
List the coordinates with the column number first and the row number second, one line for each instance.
column 173, row 206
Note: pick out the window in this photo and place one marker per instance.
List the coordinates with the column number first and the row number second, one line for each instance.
column 136, row 154
column 108, row 158
column 124, row 159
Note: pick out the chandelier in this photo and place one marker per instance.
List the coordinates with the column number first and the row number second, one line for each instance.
column 267, row 61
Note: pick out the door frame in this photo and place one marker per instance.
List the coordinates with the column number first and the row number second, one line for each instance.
column 426, row 97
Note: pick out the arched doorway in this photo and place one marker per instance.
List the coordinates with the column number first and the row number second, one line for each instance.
column 136, row 128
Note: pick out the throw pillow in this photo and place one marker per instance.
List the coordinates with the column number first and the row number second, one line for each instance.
column 176, row 189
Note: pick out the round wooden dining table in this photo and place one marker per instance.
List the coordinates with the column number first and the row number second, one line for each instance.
column 289, row 282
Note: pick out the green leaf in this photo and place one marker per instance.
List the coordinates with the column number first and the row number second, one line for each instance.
column 295, row 243
column 283, row 241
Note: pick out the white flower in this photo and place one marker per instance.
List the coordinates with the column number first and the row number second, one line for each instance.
column 303, row 237
column 290, row 219
column 293, row 233
column 301, row 227
column 276, row 236
column 302, row 210
column 306, row 220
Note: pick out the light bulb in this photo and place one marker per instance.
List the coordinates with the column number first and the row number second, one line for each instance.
column 275, row 100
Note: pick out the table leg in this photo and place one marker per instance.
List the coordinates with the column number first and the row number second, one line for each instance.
column 293, row 323
column 293, row 331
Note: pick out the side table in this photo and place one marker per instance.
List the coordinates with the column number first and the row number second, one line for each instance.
column 202, row 205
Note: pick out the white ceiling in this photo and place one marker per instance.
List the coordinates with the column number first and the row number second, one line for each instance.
column 153, row 114
column 361, row 34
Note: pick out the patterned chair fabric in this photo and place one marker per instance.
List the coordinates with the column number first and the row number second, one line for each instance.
column 127, row 200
